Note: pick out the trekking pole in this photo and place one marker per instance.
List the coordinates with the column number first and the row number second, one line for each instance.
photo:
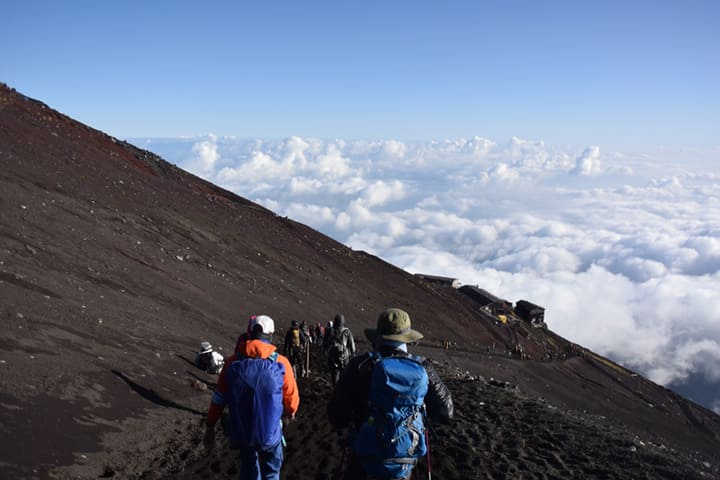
column 427, row 443
column 428, row 427
column 307, row 361
column 340, row 470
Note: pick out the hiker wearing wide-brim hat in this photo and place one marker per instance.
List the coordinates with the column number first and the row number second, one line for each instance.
column 393, row 325
column 387, row 386
column 208, row 360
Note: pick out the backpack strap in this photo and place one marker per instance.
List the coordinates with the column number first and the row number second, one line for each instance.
column 418, row 358
column 272, row 357
column 377, row 356
column 373, row 357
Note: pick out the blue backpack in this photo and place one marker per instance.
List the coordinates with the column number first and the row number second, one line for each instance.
column 255, row 401
column 392, row 438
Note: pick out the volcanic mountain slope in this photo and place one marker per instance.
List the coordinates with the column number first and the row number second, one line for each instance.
column 115, row 264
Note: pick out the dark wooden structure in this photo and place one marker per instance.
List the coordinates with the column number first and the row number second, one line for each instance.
column 486, row 300
column 531, row 313
column 436, row 279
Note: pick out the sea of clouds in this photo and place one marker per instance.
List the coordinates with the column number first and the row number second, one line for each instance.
column 622, row 250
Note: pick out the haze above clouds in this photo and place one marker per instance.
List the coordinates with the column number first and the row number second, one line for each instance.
column 625, row 262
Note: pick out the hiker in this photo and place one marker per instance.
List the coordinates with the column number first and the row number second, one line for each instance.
column 293, row 348
column 339, row 347
column 381, row 396
column 306, row 340
column 319, row 333
column 305, row 330
column 258, row 387
column 208, row 360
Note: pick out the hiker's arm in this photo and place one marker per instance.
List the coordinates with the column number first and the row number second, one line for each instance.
column 342, row 408
column 352, row 345
column 291, row 396
column 438, row 399
column 217, row 402
column 338, row 410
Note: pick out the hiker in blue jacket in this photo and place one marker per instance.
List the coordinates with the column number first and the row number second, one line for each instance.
column 363, row 397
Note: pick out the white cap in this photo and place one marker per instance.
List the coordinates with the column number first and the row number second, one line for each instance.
column 205, row 347
column 267, row 324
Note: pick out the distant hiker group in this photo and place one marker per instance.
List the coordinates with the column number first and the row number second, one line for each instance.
column 384, row 396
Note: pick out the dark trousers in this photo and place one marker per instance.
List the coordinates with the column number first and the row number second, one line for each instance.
column 297, row 360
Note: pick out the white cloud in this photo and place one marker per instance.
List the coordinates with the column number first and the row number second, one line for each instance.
column 588, row 163
column 693, row 355
column 622, row 250
column 294, row 153
column 343, row 221
column 332, row 164
column 501, row 173
column 380, row 192
column 315, row 214
column 392, row 150
column 301, row 185
column 206, row 155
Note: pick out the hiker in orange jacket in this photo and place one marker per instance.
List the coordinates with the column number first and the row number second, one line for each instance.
column 255, row 460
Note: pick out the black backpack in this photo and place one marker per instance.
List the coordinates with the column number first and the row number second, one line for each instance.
column 203, row 360
column 337, row 351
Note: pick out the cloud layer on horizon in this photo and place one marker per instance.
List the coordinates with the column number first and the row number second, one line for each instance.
column 623, row 251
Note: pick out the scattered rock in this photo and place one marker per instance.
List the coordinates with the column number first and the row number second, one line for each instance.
column 198, row 385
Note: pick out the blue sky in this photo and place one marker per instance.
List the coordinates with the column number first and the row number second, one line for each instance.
column 622, row 75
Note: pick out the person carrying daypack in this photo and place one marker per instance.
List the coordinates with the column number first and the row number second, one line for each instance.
column 382, row 396
column 259, row 388
column 306, row 335
column 208, row 360
column 306, row 340
column 319, row 333
column 292, row 348
column 339, row 347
